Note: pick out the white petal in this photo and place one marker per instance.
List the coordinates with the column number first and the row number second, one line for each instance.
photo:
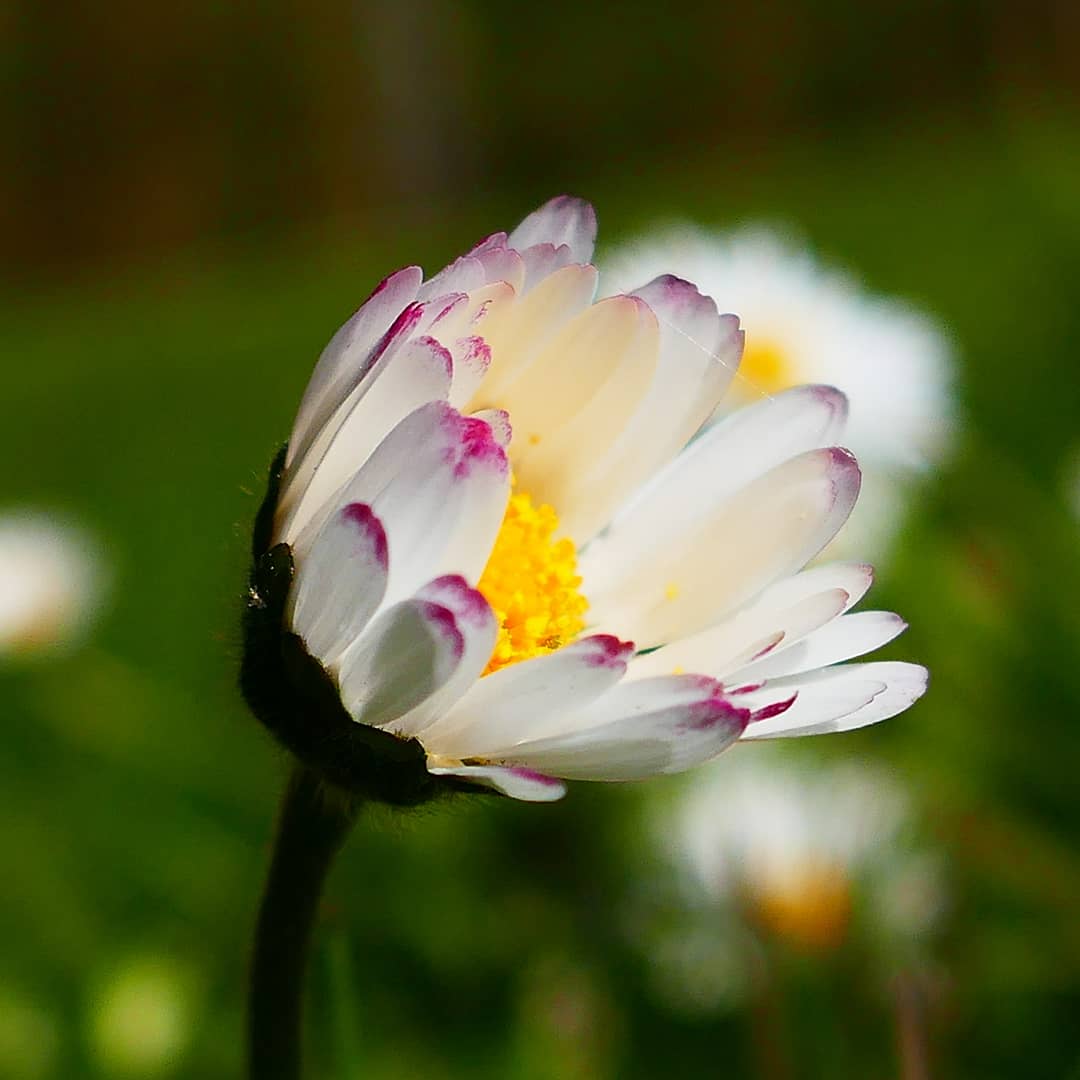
column 478, row 628
column 342, row 361
column 518, row 330
column 439, row 482
column 480, row 306
column 462, row 275
column 698, row 354
column 730, row 646
column 685, row 582
column 405, row 655
column 636, row 730
column 562, row 220
column 854, row 578
column 745, row 445
column 522, row 784
column 906, row 683
column 838, row 699
column 777, row 620
column 340, row 584
column 417, row 372
column 302, row 459
column 471, row 360
column 501, row 263
column 541, row 260
column 694, row 337
column 842, row 639
column 576, row 399
column 528, row 700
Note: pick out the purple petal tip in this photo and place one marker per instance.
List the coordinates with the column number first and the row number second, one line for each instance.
column 607, row 651
column 363, row 518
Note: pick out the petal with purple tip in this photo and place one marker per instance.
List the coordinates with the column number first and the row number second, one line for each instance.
column 699, row 351
column 341, row 583
column 562, row 220
column 840, row 698
column 726, row 458
column 637, row 730
column 841, row 639
column 528, row 700
column 680, row 582
column 344, row 358
column 407, row 653
column 419, row 371
column 439, row 482
column 522, row 784
column 724, row 651
column 477, row 627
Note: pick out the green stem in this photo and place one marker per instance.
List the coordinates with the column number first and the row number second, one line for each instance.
column 311, row 829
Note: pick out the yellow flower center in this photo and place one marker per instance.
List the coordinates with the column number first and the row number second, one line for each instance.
column 765, row 366
column 531, row 582
column 811, row 914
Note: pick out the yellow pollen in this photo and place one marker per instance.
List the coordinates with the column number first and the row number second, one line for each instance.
column 765, row 367
column 531, row 582
column 671, row 591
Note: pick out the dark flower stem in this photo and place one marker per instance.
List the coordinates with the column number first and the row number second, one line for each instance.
column 311, row 829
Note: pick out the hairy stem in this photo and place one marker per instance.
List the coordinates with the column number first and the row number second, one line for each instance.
column 310, row 831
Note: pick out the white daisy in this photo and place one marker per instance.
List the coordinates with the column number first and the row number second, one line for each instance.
column 50, row 583
column 798, row 844
column 505, row 556
column 809, row 324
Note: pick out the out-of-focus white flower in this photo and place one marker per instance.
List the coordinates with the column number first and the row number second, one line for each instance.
column 142, row 1017
column 50, row 582
column 491, row 617
column 807, row 323
column 798, row 844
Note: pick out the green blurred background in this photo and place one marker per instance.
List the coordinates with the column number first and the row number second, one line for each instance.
column 198, row 196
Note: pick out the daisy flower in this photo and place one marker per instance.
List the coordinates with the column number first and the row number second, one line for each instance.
column 799, row 846
column 50, row 583
column 810, row 324
column 493, row 560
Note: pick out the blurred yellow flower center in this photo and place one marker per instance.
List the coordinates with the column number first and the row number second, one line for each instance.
column 810, row 913
column 531, row 582
column 765, row 367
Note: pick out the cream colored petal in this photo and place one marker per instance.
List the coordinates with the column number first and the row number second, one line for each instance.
column 584, row 393
column 692, row 579
column 699, row 352
column 518, row 331
column 727, row 457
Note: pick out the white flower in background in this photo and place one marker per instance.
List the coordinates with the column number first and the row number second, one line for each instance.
column 50, row 583
column 810, row 324
column 799, row 845
column 503, row 549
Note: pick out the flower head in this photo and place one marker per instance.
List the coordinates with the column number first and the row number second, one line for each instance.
column 50, row 583
column 800, row 845
column 810, row 324
column 488, row 549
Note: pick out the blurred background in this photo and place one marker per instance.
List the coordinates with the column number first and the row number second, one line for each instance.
column 196, row 197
